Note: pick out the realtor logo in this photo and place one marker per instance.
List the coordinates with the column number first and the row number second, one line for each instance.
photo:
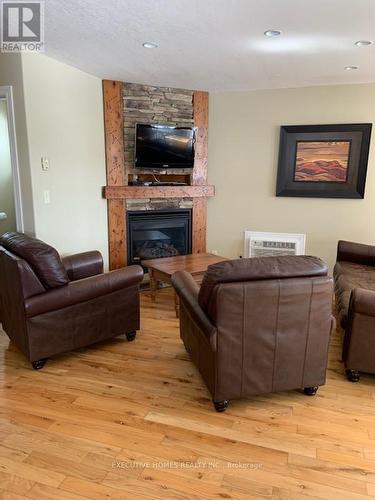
column 22, row 26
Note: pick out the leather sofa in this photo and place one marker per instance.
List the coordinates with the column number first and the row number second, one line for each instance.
column 258, row 325
column 354, row 276
column 50, row 305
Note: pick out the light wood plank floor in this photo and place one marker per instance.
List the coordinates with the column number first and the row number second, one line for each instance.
column 134, row 420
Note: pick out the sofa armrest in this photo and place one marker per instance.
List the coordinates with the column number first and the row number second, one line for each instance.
column 83, row 265
column 356, row 252
column 362, row 301
column 188, row 290
column 83, row 290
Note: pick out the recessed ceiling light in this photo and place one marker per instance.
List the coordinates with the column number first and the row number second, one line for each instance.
column 150, row 45
column 351, row 68
column 363, row 43
column 272, row 33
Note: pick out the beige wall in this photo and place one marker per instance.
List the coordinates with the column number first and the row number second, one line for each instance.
column 64, row 115
column 243, row 153
column 59, row 115
column 6, row 177
column 11, row 74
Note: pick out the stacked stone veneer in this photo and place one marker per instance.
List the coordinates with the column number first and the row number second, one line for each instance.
column 149, row 104
column 158, row 204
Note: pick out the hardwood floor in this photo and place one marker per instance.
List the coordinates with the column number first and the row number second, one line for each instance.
column 134, row 420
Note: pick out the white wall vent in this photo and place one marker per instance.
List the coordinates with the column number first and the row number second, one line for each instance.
column 259, row 244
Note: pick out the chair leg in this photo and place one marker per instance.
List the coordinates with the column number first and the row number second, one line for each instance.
column 311, row 391
column 221, row 406
column 38, row 365
column 131, row 336
column 352, row 375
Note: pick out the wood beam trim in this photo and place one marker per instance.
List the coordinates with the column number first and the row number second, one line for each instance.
column 200, row 110
column 199, row 226
column 114, row 132
column 140, row 192
column 115, row 165
column 117, row 234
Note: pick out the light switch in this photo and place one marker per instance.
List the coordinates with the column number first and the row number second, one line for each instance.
column 45, row 163
column 46, row 196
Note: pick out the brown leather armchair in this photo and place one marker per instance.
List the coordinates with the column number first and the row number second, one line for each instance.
column 258, row 325
column 354, row 275
column 50, row 305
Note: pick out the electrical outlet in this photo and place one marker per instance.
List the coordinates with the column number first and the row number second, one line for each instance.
column 46, row 197
column 45, row 163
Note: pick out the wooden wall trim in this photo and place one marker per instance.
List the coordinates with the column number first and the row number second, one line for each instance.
column 199, row 225
column 114, row 148
column 114, row 132
column 117, row 234
column 199, row 177
column 200, row 107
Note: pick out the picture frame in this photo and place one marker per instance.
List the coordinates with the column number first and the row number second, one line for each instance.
column 323, row 161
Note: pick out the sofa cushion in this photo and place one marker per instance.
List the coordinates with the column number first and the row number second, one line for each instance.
column 354, row 269
column 348, row 276
column 259, row 268
column 42, row 258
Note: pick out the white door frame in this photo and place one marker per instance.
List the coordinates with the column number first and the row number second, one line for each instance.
column 6, row 92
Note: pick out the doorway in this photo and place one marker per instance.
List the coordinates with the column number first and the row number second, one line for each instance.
column 10, row 192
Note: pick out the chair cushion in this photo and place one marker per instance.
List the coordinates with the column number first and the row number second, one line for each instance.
column 42, row 258
column 259, row 268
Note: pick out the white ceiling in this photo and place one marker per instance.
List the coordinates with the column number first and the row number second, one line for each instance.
column 215, row 44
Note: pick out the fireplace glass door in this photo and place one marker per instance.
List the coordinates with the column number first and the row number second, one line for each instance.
column 158, row 233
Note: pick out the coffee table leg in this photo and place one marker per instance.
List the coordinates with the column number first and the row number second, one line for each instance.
column 153, row 284
column 177, row 304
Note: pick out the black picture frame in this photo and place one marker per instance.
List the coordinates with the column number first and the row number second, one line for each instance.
column 357, row 137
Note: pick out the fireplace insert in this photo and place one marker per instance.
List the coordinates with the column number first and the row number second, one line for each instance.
column 158, row 233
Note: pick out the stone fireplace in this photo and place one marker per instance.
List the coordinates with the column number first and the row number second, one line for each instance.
column 153, row 234
column 128, row 190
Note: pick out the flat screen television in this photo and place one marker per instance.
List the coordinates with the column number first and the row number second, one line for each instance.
column 164, row 146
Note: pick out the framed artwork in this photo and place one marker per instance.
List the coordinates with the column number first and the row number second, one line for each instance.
column 323, row 161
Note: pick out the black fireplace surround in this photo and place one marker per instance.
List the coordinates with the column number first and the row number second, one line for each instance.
column 158, row 233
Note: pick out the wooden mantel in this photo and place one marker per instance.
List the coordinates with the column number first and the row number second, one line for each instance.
column 117, row 191
column 139, row 192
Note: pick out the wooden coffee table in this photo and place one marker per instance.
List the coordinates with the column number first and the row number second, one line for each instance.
column 162, row 269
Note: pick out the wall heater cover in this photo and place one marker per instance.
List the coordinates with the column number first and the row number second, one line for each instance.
column 262, row 244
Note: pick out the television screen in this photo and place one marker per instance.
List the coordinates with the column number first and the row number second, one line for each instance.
column 163, row 146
